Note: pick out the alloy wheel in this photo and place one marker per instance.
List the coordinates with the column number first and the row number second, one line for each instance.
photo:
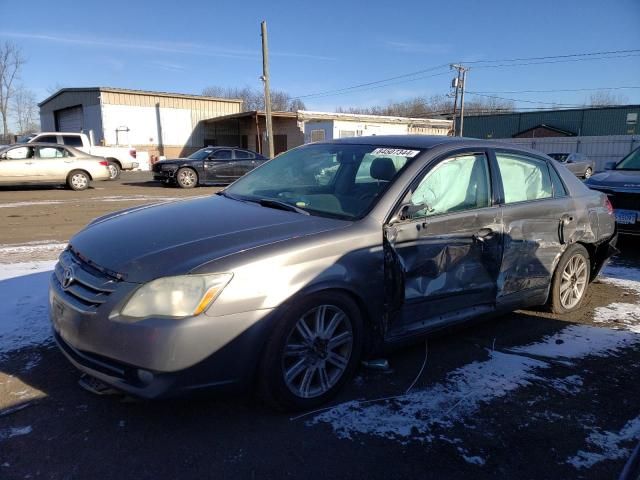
column 113, row 171
column 574, row 281
column 317, row 351
column 187, row 178
column 588, row 173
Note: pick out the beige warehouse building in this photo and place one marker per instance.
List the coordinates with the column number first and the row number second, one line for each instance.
column 162, row 124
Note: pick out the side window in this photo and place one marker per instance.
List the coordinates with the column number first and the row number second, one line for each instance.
column 455, row 184
column 52, row 152
column 47, row 139
column 244, row 155
column 558, row 186
column 222, row 155
column 72, row 140
column 523, row 178
column 20, row 153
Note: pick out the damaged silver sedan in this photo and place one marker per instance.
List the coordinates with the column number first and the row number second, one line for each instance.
column 325, row 255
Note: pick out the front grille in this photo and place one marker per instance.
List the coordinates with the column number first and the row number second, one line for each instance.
column 626, row 201
column 88, row 288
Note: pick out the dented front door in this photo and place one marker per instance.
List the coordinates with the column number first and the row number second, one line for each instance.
column 442, row 263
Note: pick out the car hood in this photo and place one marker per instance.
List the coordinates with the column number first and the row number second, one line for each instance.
column 627, row 180
column 174, row 238
column 172, row 161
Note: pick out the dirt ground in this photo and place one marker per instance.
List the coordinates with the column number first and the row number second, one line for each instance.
column 37, row 213
column 528, row 395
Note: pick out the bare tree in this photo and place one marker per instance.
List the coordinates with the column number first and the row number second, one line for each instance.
column 25, row 110
column 435, row 105
column 253, row 99
column 603, row 98
column 11, row 60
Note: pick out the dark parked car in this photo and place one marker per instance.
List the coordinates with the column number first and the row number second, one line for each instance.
column 577, row 163
column 327, row 253
column 621, row 183
column 208, row 166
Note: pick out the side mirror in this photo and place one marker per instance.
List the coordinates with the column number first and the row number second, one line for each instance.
column 407, row 211
column 610, row 166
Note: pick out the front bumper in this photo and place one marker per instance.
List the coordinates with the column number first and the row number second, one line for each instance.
column 164, row 175
column 152, row 357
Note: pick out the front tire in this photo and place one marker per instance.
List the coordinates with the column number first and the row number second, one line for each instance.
column 186, row 177
column 313, row 350
column 570, row 280
column 78, row 180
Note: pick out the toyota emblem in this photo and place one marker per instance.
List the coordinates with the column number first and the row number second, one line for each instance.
column 67, row 278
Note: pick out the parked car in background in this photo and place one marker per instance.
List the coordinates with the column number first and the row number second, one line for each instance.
column 119, row 158
column 207, row 166
column 50, row 164
column 577, row 163
column 621, row 183
column 288, row 277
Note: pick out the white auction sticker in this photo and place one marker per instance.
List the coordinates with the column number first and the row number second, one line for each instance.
column 396, row 151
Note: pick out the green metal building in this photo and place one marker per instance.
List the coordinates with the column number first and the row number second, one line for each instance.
column 599, row 121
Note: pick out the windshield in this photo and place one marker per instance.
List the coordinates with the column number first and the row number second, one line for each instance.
column 335, row 180
column 201, row 154
column 630, row 162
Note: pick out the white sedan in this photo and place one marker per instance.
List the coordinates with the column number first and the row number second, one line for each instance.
column 50, row 164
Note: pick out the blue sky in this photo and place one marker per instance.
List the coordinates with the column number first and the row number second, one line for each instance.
column 318, row 46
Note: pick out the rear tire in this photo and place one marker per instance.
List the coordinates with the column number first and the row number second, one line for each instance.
column 78, row 180
column 570, row 280
column 114, row 170
column 313, row 350
column 186, row 177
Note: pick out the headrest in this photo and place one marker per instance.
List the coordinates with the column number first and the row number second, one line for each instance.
column 382, row 168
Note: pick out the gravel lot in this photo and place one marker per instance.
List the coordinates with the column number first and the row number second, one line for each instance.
column 528, row 395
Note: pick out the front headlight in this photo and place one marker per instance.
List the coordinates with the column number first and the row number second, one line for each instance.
column 183, row 296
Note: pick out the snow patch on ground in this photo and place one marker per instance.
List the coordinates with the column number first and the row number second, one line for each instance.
column 14, row 432
column 24, row 319
column 606, row 445
column 413, row 416
column 31, row 251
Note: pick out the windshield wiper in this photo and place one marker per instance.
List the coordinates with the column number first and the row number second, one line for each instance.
column 268, row 202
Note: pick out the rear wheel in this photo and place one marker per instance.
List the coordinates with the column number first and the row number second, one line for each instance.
column 114, row 170
column 312, row 352
column 570, row 280
column 588, row 172
column 186, row 178
column 78, row 180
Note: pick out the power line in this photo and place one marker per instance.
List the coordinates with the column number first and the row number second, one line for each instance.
column 548, row 57
column 525, row 61
column 560, row 90
column 477, row 94
column 411, row 74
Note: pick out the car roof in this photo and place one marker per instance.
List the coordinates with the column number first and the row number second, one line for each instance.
column 78, row 153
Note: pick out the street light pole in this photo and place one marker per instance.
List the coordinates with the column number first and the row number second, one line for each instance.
column 460, row 84
column 267, row 91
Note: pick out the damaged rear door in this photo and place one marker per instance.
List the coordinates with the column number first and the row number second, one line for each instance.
column 443, row 247
column 539, row 219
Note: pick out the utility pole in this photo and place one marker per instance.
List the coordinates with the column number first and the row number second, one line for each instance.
column 267, row 91
column 455, row 83
column 460, row 83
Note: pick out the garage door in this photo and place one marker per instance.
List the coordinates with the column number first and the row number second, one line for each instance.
column 69, row 119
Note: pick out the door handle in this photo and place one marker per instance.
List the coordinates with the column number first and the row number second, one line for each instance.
column 482, row 234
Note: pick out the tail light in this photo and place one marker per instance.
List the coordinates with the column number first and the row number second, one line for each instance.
column 132, row 152
column 607, row 203
column 104, row 163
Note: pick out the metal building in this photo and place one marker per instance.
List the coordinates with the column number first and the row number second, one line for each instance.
column 162, row 124
column 596, row 121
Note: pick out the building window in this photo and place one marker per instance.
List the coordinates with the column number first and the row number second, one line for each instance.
column 317, row 135
column 347, row 133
